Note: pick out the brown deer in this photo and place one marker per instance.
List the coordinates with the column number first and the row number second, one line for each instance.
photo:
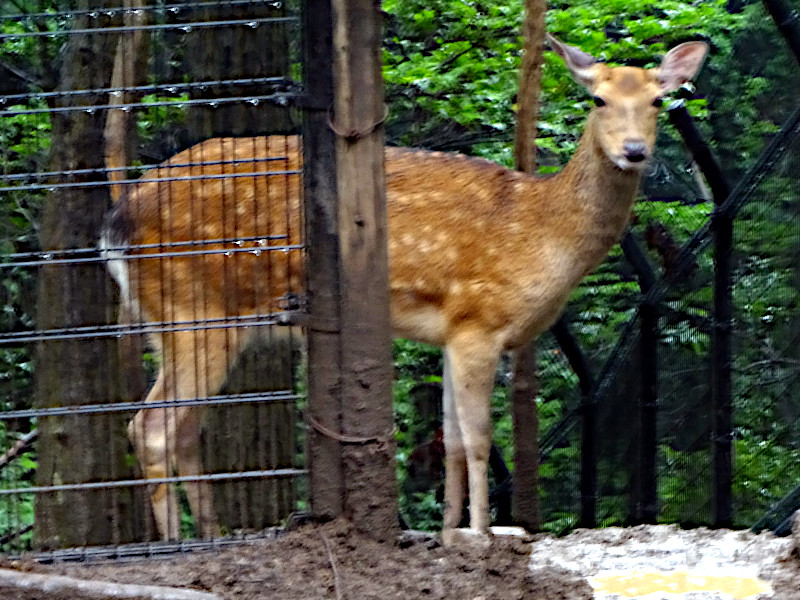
column 482, row 259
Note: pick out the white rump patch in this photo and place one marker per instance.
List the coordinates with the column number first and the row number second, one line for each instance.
column 117, row 266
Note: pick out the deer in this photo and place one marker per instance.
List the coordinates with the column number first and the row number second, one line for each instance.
column 482, row 259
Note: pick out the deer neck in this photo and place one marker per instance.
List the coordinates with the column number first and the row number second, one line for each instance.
column 594, row 199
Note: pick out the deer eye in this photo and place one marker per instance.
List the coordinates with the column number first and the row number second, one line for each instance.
column 598, row 101
column 658, row 102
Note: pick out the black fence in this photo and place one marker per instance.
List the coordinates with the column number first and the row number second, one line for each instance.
column 692, row 417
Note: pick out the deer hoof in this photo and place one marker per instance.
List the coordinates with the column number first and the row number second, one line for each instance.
column 470, row 538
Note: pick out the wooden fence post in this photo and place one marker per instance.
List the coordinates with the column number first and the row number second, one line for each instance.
column 351, row 443
column 369, row 466
column 324, row 454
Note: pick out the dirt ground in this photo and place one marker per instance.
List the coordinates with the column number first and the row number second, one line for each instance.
column 335, row 561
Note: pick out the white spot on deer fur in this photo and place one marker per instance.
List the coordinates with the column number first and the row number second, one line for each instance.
column 407, row 240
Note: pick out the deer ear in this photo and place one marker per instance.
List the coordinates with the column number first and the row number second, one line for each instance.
column 681, row 64
column 580, row 63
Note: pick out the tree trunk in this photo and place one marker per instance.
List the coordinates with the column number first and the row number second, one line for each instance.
column 237, row 52
column 525, row 505
column 525, row 494
column 70, row 371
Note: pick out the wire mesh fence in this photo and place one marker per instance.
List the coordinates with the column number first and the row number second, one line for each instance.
column 104, row 93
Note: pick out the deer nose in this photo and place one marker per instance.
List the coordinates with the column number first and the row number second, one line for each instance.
column 635, row 150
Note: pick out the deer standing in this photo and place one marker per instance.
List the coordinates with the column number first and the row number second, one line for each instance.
column 482, row 259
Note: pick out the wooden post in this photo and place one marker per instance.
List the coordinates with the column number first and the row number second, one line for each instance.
column 324, row 454
column 525, row 505
column 369, row 463
column 525, row 492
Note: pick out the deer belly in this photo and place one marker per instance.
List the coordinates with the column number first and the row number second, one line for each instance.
column 417, row 320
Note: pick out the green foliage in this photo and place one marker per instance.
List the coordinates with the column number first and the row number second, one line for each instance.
column 415, row 363
column 159, row 113
column 16, row 511
column 764, row 472
column 450, row 70
column 24, row 143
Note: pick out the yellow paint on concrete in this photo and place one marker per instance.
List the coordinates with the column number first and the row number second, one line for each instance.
column 634, row 584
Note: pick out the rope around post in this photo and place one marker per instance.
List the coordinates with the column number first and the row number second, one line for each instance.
column 382, row 440
column 354, row 135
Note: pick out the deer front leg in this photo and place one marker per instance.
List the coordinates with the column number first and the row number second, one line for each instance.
column 470, row 366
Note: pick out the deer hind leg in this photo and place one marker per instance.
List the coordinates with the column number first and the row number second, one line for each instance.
column 167, row 440
column 470, row 365
column 455, row 454
column 152, row 433
column 190, row 463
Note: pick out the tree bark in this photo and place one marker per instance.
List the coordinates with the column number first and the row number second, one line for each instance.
column 324, row 454
column 70, row 371
column 525, row 505
column 525, row 494
column 237, row 52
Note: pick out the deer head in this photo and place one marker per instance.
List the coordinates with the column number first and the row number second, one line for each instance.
column 627, row 99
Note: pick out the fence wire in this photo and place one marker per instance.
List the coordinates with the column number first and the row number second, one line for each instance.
column 72, row 370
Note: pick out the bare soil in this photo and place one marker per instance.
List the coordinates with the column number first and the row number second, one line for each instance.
column 335, row 561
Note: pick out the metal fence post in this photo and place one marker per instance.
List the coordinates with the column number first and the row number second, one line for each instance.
column 788, row 22
column 645, row 490
column 722, row 228
column 580, row 365
column 646, row 504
